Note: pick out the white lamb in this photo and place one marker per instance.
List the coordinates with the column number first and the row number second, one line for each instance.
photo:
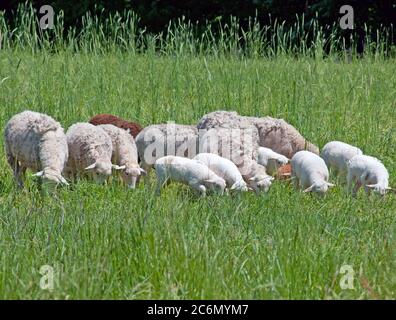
column 271, row 160
column 368, row 172
column 256, row 177
column 225, row 169
column 90, row 151
column 36, row 141
column 336, row 155
column 310, row 172
column 190, row 172
column 124, row 154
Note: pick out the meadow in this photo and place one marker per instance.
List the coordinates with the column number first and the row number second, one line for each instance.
column 110, row 242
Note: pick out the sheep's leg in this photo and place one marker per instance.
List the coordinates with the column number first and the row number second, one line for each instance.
column 17, row 170
column 160, row 183
column 356, row 188
column 368, row 190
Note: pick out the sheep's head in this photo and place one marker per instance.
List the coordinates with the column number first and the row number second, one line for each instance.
column 130, row 175
column 261, row 183
column 319, row 187
column 217, row 184
column 240, row 186
column 101, row 170
column 380, row 189
column 51, row 177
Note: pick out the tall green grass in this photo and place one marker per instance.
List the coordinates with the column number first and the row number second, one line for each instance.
column 110, row 242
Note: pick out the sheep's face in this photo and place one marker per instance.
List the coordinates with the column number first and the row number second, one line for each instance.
column 51, row 178
column 101, row 171
column 261, row 183
column 320, row 189
column 217, row 185
column 130, row 176
column 240, row 186
column 378, row 189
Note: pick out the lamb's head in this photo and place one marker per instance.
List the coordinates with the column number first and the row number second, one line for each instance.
column 261, row 183
column 380, row 188
column 319, row 187
column 51, row 177
column 240, row 186
column 216, row 184
column 101, row 170
column 130, row 174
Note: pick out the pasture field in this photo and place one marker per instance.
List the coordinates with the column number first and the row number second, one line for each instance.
column 114, row 243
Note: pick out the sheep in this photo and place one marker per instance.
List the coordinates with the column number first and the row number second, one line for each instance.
column 369, row 172
column 281, row 137
column 310, row 172
column 336, row 155
column 90, row 149
column 124, row 154
column 225, row 169
column 36, row 141
column 191, row 172
column 160, row 140
column 256, row 177
column 271, row 160
column 133, row 127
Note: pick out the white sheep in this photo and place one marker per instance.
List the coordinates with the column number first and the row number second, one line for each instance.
column 225, row 169
column 256, row 177
column 190, row 172
column 271, row 160
column 124, row 154
column 90, row 151
column 336, row 155
column 160, row 140
column 368, row 172
column 310, row 172
column 36, row 141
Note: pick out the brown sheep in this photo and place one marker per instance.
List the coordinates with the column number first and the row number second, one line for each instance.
column 134, row 127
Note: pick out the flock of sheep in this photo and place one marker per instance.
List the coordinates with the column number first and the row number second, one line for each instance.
column 224, row 151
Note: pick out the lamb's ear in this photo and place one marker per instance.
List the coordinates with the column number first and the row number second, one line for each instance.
column 391, row 190
column 252, row 179
column 116, row 167
column 309, row 189
column 63, row 181
column 38, row 174
column 330, row 184
column 91, row 167
column 233, row 187
column 371, row 186
column 142, row 171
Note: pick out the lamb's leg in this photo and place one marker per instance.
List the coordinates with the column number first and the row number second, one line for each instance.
column 161, row 181
column 17, row 170
column 356, row 188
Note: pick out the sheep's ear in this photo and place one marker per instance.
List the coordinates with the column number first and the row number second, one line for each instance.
column 91, row 167
column 252, row 179
column 116, row 167
column 391, row 190
column 142, row 171
column 371, row 186
column 270, row 178
column 38, row 174
column 233, row 187
column 331, row 184
column 309, row 189
column 250, row 189
column 63, row 181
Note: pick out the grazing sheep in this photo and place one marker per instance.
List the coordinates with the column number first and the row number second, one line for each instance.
column 368, row 172
column 281, row 137
column 256, row 177
column 133, row 127
column 271, row 160
column 157, row 141
column 36, row 141
column 90, row 151
column 225, row 169
column 336, row 155
column 124, row 154
column 310, row 172
column 190, row 172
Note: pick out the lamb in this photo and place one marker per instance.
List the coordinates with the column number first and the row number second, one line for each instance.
column 271, row 160
column 124, row 154
column 310, row 172
column 225, row 169
column 281, row 137
column 257, row 177
column 191, row 172
column 369, row 172
column 336, row 155
column 90, row 149
column 133, row 127
column 160, row 140
column 36, row 141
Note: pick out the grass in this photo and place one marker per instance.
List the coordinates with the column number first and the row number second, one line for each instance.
column 109, row 242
